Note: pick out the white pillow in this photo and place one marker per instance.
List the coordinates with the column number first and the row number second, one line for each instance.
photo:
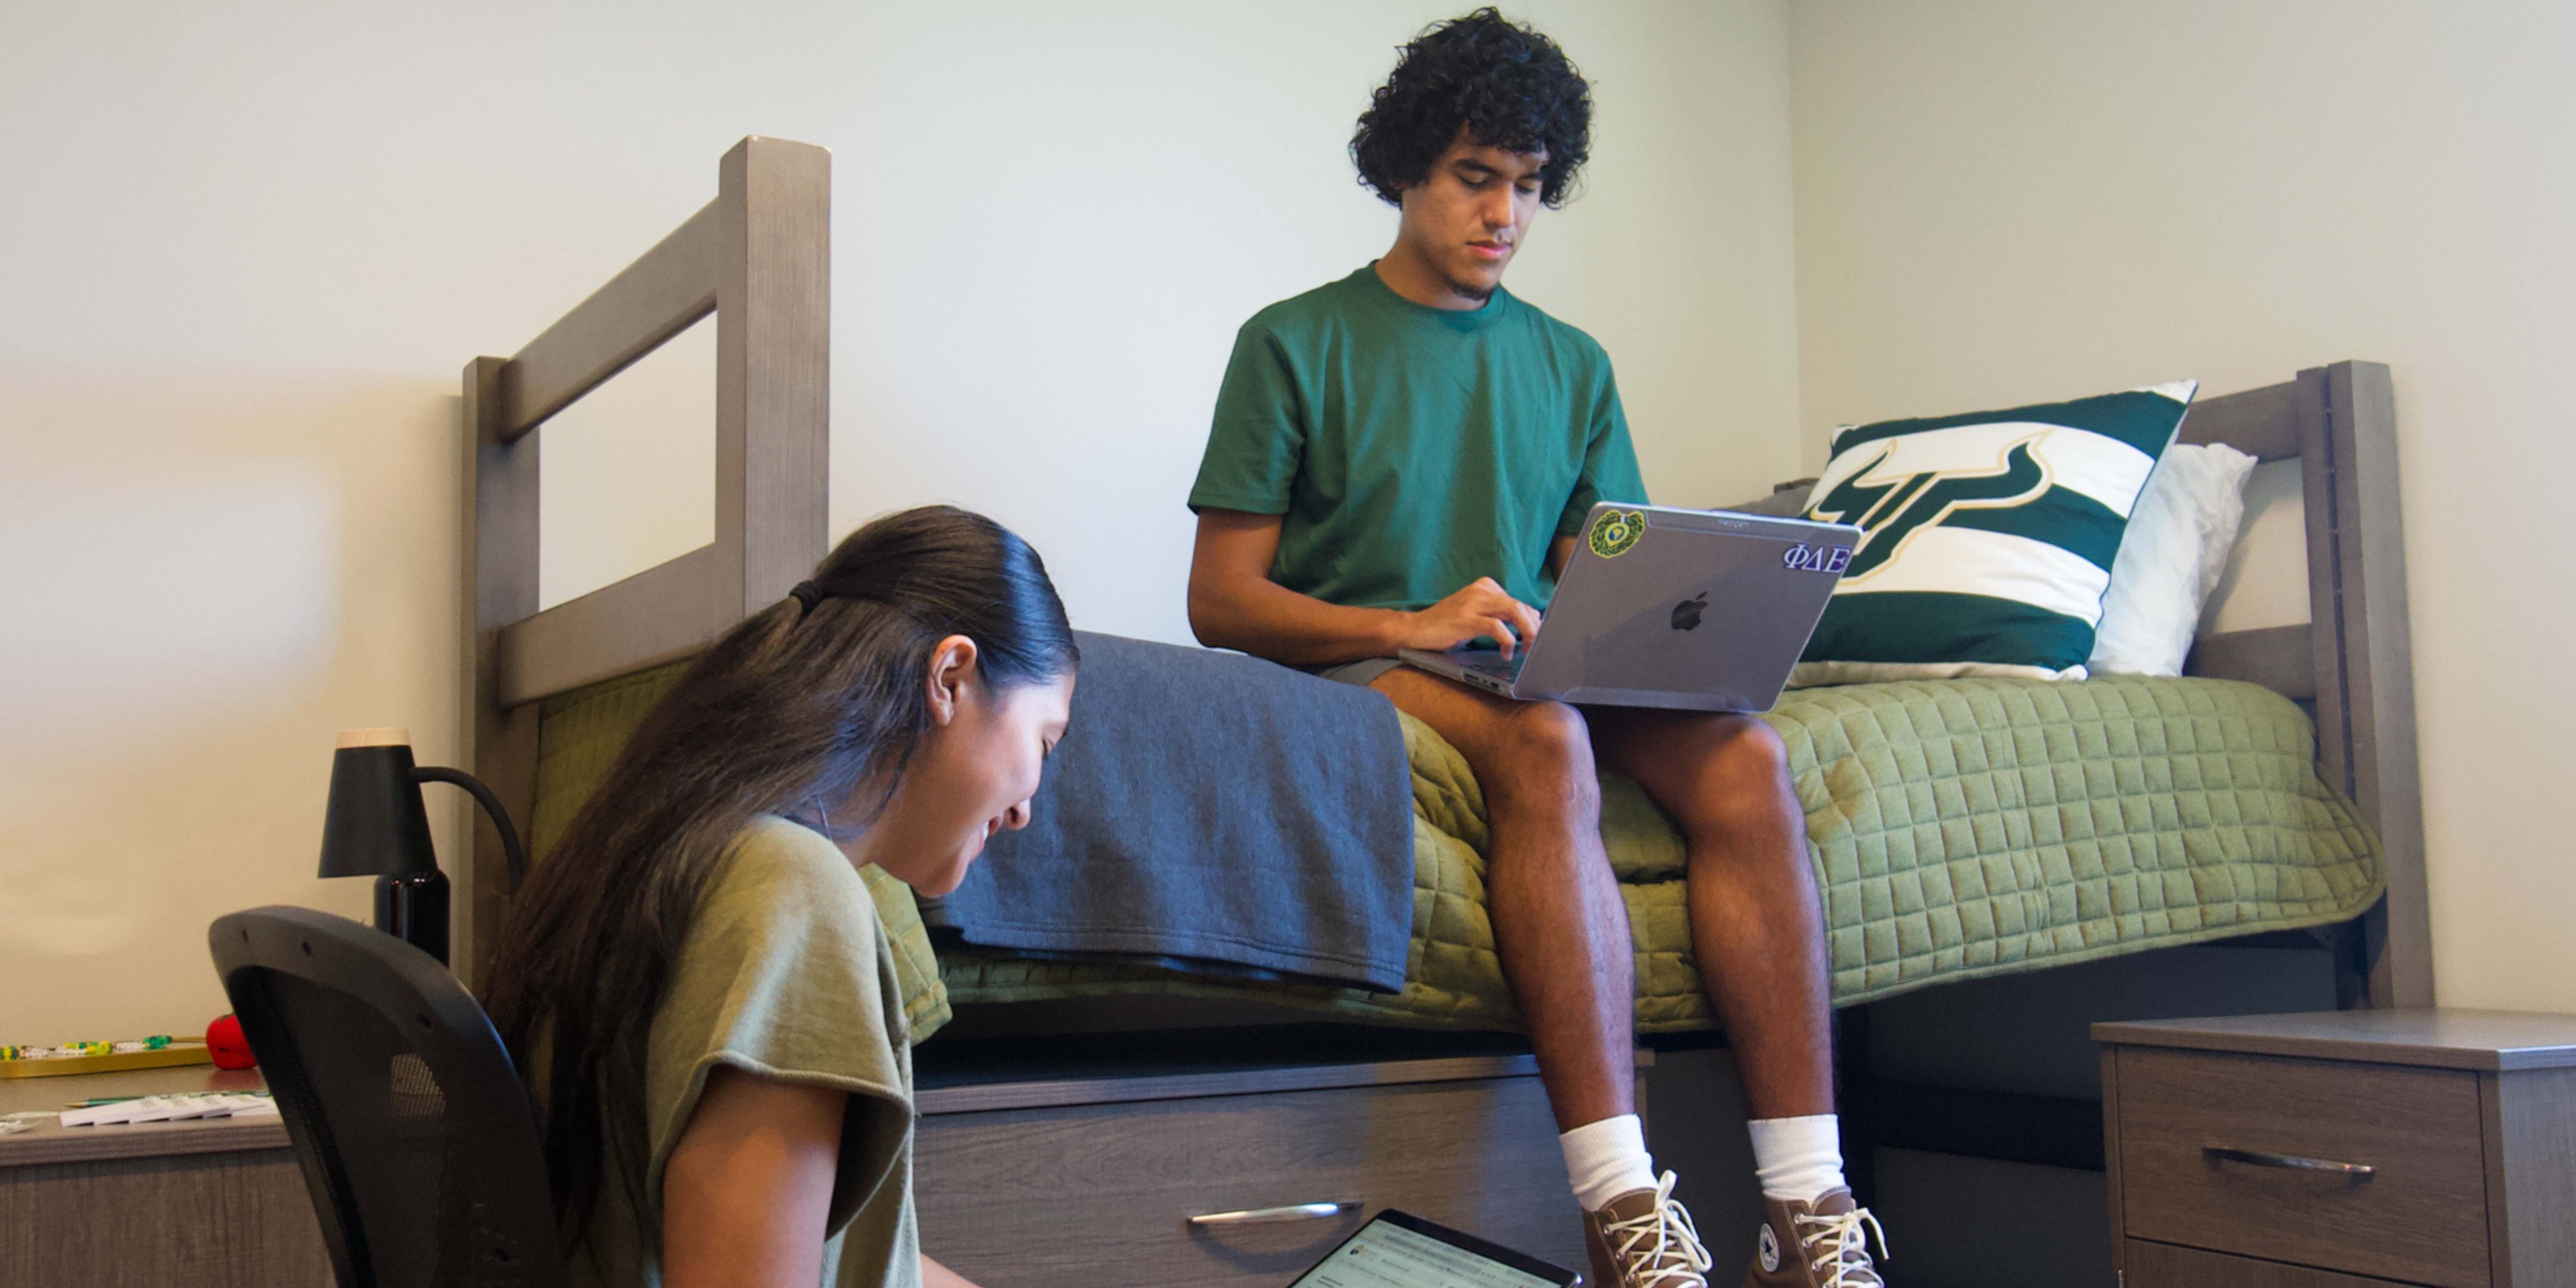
column 2170, row 559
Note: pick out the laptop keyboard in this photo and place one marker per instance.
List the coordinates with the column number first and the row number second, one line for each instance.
column 1492, row 664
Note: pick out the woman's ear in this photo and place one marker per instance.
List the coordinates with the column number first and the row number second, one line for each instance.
column 952, row 669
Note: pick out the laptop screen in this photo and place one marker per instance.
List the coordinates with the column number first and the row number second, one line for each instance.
column 1386, row 1255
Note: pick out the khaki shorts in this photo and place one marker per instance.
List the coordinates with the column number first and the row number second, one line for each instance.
column 1361, row 673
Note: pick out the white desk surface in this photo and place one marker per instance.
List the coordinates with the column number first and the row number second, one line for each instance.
column 50, row 1142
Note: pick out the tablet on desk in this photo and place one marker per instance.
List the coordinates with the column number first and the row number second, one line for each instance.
column 1401, row 1250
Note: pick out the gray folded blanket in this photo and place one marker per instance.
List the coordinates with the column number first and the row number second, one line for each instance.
column 1208, row 811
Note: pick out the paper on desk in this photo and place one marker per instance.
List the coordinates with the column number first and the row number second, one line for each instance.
column 173, row 1108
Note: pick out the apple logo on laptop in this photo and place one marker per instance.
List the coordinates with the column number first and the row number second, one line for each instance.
column 1686, row 613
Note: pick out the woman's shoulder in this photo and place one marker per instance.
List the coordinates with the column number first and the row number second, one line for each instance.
column 785, row 929
column 780, row 873
column 785, row 856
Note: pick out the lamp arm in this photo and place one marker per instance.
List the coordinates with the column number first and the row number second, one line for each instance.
column 491, row 803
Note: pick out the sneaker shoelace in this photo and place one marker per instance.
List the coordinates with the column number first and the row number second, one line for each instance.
column 1833, row 1242
column 1661, row 1245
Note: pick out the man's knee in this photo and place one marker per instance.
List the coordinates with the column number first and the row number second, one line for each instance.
column 1721, row 768
column 1541, row 750
column 1745, row 751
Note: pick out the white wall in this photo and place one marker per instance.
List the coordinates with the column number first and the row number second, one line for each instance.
column 249, row 250
column 2004, row 201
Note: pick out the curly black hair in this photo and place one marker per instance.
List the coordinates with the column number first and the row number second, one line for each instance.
column 1509, row 85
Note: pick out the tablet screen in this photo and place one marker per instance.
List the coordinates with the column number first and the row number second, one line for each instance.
column 1385, row 1254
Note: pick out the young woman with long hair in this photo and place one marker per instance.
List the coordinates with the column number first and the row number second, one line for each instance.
column 695, row 981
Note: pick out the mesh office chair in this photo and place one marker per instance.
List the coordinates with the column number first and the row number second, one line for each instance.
column 417, row 1140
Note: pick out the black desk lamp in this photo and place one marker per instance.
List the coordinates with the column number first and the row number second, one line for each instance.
column 376, row 826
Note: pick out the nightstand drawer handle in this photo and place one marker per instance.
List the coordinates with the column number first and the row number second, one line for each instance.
column 2260, row 1158
column 1265, row 1216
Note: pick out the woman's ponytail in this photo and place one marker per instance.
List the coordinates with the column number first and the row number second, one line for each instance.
column 804, row 701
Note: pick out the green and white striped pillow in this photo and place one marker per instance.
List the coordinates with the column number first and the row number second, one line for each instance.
column 1988, row 538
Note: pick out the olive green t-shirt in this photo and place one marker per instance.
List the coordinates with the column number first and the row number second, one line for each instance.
column 1411, row 450
column 786, row 973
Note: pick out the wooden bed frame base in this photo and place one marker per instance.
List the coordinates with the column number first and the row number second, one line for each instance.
column 758, row 258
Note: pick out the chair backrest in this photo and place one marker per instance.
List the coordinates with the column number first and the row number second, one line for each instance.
column 417, row 1140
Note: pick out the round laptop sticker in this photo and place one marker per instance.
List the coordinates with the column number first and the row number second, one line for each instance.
column 1617, row 532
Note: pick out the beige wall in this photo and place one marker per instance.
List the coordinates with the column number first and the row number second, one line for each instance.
column 2002, row 202
column 249, row 251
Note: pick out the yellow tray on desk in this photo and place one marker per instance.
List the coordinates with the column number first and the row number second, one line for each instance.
column 176, row 1053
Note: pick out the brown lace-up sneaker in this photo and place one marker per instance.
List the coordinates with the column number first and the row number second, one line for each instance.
column 1643, row 1239
column 1823, row 1244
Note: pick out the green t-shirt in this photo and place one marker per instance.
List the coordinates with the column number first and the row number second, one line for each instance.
column 1411, row 450
column 786, row 973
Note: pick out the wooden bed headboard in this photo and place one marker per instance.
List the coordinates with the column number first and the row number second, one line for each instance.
column 759, row 258
column 2351, row 659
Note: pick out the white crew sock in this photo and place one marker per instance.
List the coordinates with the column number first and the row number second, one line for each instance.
column 1607, row 1159
column 1798, row 1159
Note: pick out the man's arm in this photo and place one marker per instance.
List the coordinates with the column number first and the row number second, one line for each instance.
column 1234, row 604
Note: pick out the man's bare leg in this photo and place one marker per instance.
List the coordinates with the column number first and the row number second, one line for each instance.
column 1759, row 935
column 1560, row 925
column 1756, row 926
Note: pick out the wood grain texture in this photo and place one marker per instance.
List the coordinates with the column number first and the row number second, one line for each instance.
column 2532, row 1176
column 663, row 613
column 2111, row 1155
column 773, row 369
column 2316, row 491
column 658, row 296
column 2499, row 1215
column 2432, row 1037
column 237, row 1219
column 2280, row 658
column 498, row 550
column 2340, row 423
column 2422, row 1218
column 1059, row 1093
column 2263, row 423
column 2379, row 667
column 2162, row 1265
column 1100, row 1194
column 51, row 1143
column 759, row 256
column 2363, row 663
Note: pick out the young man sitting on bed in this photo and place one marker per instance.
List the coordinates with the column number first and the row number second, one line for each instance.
column 1401, row 459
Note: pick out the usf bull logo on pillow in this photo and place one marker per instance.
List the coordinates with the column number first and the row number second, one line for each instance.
column 1987, row 539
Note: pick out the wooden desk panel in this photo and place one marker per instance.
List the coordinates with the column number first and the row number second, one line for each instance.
column 216, row 1202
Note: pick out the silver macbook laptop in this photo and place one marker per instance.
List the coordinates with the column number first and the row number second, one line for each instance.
column 1699, row 610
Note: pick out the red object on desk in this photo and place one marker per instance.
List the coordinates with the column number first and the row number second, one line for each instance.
column 224, row 1041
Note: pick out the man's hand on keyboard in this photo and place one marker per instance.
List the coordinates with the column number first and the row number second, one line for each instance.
column 1482, row 610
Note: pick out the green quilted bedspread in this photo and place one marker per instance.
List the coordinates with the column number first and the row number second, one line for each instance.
column 1959, row 828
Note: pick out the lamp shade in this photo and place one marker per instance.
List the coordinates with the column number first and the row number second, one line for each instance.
column 375, row 824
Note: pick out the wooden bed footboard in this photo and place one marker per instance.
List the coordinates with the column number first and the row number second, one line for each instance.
column 758, row 257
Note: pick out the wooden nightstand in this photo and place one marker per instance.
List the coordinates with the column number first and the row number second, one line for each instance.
column 2342, row 1149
